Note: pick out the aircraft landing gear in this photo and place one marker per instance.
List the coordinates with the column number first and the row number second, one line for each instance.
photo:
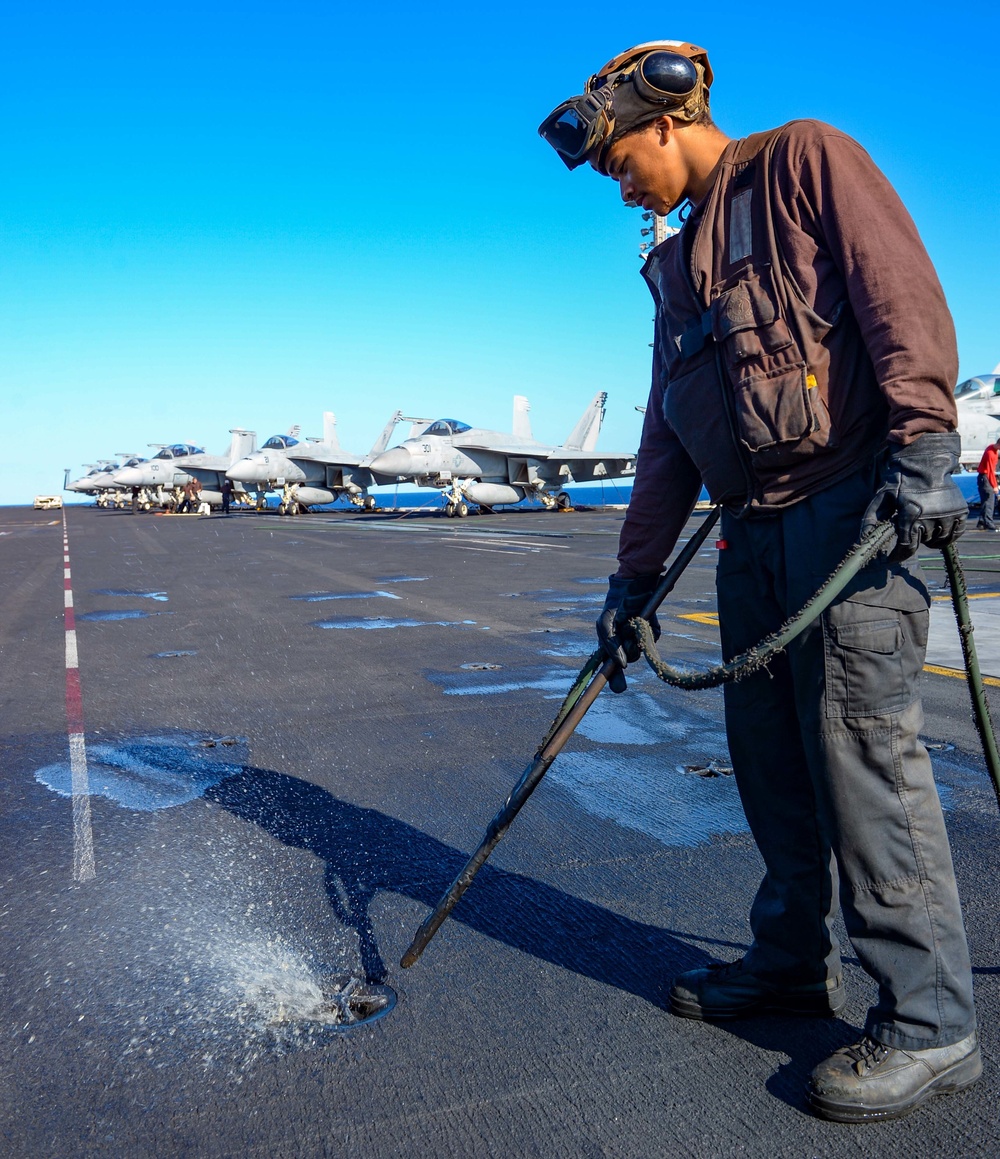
column 563, row 501
column 368, row 503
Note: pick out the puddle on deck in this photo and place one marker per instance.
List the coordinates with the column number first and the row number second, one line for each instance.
column 318, row 597
column 401, row 579
column 474, row 683
column 119, row 614
column 148, row 773
column 129, row 593
column 373, row 623
column 173, row 653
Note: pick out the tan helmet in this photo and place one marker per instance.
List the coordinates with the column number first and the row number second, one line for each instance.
column 661, row 77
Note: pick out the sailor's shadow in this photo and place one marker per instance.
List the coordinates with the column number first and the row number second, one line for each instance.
column 366, row 852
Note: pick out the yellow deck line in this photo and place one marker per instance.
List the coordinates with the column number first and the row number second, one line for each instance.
column 959, row 674
column 977, row 596
column 712, row 618
column 701, row 617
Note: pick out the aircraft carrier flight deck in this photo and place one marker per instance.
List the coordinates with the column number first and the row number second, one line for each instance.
column 242, row 759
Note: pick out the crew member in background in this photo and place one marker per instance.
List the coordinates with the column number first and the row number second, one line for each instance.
column 192, row 489
column 988, row 489
column 227, row 493
column 803, row 370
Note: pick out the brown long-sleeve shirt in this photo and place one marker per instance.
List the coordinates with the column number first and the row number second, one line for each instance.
column 857, row 263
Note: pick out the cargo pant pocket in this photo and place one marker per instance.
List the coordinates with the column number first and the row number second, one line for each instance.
column 867, row 673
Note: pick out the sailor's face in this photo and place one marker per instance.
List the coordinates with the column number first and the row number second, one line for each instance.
column 648, row 167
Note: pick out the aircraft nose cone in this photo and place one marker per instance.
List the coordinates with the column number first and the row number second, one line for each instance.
column 129, row 477
column 246, row 471
column 395, row 461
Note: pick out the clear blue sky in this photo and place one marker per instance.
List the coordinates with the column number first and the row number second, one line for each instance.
column 217, row 215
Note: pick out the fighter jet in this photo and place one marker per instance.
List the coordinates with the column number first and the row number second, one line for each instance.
column 978, row 402
column 99, row 480
column 488, row 468
column 175, row 464
column 313, row 471
column 85, row 485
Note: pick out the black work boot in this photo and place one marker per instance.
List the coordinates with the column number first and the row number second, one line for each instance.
column 729, row 990
column 867, row 1081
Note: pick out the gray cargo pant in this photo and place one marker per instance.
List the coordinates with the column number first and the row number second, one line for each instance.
column 832, row 774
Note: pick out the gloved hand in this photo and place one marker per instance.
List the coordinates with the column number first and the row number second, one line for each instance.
column 919, row 495
column 626, row 598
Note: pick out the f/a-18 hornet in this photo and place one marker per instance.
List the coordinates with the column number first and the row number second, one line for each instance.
column 488, row 468
column 313, row 471
column 178, row 463
column 100, row 480
column 978, row 402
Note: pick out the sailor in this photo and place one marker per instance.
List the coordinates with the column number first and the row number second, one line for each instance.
column 803, row 371
column 986, row 482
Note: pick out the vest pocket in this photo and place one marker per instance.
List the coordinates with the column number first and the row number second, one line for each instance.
column 777, row 406
column 776, row 409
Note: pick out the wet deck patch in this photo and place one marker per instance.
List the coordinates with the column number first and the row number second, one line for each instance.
column 643, row 792
column 479, row 682
column 116, row 614
column 578, row 648
column 148, row 773
column 127, row 592
column 371, row 623
column 401, row 579
column 318, row 597
column 174, row 652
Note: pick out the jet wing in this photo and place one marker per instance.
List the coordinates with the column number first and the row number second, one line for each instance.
column 314, row 453
column 590, row 464
column 615, row 462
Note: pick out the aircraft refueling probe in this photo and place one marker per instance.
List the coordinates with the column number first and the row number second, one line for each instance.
column 593, row 676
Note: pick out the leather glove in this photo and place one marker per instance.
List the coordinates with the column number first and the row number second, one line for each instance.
column 919, row 495
column 626, row 598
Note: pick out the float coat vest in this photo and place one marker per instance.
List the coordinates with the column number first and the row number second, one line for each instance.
column 741, row 353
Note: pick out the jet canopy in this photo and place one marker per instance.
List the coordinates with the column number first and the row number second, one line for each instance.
column 982, row 386
column 280, row 443
column 178, row 451
column 447, row 427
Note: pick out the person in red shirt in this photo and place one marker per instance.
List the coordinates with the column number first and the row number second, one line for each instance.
column 988, row 489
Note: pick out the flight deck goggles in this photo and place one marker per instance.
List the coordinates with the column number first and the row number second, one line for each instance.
column 663, row 77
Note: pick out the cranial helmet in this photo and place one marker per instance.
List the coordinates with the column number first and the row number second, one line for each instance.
column 663, row 77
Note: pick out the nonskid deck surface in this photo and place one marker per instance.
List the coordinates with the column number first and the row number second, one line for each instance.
column 274, row 806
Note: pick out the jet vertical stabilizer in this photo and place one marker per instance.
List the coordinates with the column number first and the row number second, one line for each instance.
column 330, row 439
column 522, row 424
column 383, row 440
column 583, row 437
column 244, row 443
